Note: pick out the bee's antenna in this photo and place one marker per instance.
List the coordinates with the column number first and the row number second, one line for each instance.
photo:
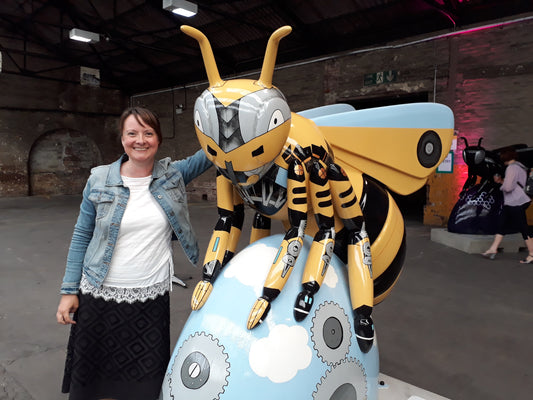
column 270, row 56
column 207, row 54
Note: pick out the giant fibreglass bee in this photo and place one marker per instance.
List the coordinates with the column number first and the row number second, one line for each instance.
column 322, row 172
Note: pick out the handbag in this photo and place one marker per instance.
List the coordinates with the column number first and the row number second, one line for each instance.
column 528, row 187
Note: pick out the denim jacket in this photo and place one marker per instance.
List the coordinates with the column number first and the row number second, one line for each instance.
column 101, row 210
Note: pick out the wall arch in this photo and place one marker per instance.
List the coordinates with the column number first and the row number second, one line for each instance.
column 60, row 162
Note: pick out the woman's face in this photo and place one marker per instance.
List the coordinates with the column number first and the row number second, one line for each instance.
column 140, row 142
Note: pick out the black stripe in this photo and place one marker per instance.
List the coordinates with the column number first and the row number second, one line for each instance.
column 350, row 203
column 325, row 203
column 376, row 207
column 385, row 281
column 346, row 193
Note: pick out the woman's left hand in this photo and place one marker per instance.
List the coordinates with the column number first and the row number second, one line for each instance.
column 68, row 304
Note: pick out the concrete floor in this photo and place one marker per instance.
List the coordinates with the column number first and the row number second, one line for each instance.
column 455, row 324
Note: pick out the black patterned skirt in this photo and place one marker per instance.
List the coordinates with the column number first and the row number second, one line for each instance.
column 118, row 351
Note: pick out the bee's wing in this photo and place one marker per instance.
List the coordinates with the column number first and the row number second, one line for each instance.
column 399, row 145
column 324, row 111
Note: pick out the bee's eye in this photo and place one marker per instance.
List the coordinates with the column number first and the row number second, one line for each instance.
column 198, row 121
column 275, row 120
column 211, row 151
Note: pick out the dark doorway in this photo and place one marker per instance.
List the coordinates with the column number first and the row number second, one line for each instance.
column 60, row 162
column 412, row 206
column 403, row 98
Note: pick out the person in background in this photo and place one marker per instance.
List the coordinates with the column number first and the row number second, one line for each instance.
column 115, row 290
column 515, row 202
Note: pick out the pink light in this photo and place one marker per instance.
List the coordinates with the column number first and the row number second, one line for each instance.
column 480, row 28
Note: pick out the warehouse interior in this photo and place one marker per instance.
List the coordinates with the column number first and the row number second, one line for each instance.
column 140, row 47
column 64, row 94
column 60, row 100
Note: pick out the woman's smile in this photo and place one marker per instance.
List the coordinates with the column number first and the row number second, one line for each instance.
column 140, row 142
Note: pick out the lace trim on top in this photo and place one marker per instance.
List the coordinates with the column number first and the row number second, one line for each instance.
column 128, row 295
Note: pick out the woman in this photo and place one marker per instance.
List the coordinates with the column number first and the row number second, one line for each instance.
column 515, row 202
column 119, row 267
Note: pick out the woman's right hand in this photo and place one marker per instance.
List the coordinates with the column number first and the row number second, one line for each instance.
column 68, row 304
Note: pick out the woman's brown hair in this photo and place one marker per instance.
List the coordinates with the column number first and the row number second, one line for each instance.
column 508, row 154
column 143, row 117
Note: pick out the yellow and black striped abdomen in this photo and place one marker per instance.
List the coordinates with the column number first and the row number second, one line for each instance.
column 386, row 231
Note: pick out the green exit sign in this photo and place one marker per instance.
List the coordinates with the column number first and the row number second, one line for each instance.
column 377, row 78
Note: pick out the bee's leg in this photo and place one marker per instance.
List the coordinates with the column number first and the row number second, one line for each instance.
column 237, row 220
column 361, row 287
column 260, row 227
column 278, row 275
column 359, row 260
column 315, row 269
column 323, row 243
column 290, row 247
column 216, row 251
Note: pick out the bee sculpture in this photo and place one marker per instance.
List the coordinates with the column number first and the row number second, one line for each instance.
column 323, row 172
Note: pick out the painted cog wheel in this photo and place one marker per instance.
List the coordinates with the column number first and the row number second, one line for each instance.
column 346, row 380
column 200, row 369
column 331, row 333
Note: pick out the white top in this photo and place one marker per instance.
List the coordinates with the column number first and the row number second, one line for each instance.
column 143, row 252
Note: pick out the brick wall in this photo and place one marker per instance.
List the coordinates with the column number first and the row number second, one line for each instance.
column 33, row 109
column 485, row 76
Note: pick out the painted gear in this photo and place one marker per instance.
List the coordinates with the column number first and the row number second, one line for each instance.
column 346, row 380
column 331, row 333
column 200, row 369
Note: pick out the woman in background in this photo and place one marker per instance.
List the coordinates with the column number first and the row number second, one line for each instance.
column 515, row 202
column 119, row 267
